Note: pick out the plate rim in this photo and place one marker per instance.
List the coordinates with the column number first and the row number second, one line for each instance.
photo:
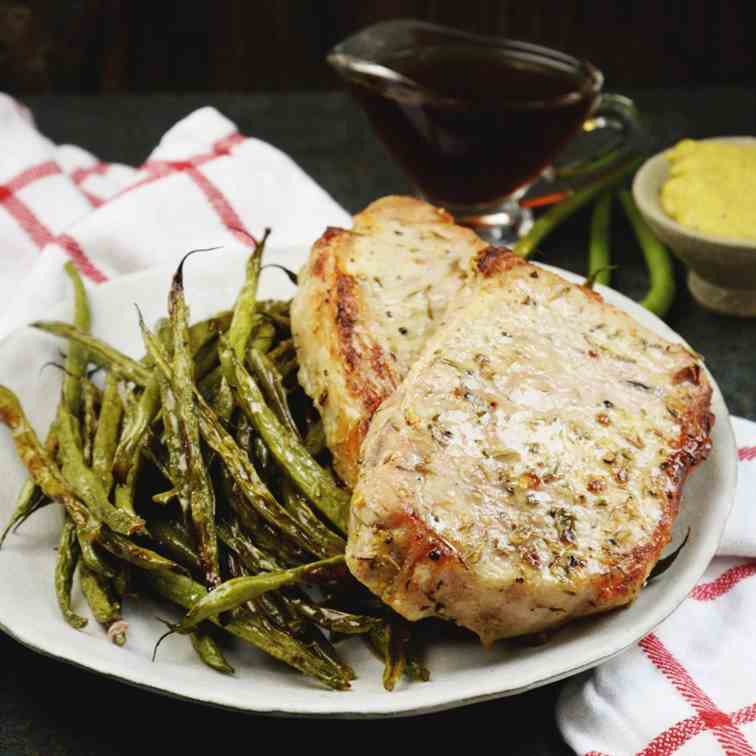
column 393, row 706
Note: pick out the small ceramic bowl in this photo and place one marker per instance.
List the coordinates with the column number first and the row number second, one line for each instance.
column 722, row 271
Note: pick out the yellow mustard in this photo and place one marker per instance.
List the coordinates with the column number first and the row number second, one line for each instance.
column 712, row 187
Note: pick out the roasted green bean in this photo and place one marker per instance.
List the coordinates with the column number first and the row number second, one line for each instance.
column 44, row 473
column 89, row 420
column 65, row 567
column 105, row 607
column 175, row 542
column 135, row 426
column 313, row 481
column 661, row 291
column 599, row 257
column 335, row 620
column 271, row 384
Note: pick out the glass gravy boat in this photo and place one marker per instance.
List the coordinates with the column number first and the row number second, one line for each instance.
column 473, row 120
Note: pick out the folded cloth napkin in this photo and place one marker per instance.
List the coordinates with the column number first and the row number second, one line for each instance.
column 204, row 185
column 688, row 687
column 684, row 688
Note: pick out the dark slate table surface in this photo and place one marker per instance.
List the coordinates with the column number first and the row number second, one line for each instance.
column 48, row 707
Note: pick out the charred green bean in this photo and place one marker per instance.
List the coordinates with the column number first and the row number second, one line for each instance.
column 313, row 481
column 65, row 567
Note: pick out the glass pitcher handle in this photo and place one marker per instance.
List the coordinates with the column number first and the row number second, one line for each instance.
column 619, row 115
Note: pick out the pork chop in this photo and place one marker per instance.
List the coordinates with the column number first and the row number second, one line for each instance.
column 367, row 301
column 529, row 468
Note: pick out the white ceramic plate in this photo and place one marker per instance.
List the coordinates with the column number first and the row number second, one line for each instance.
column 462, row 671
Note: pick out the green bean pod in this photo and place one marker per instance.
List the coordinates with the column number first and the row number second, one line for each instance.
column 327, row 542
column 201, row 496
column 276, row 606
column 242, row 321
column 65, row 567
column 378, row 639
column 263, row 335
column 30, row 499
column 526, row 245
column 103, row 604
column 106, row 437
column 254, row 630
column 135, row 426
column 207, row 330
column 251, row 555
column 176, row 543
column 313, row 481
column 209, row 652
column 315, row 441
column 236, row 462
column 335, row 620
column 599, row 257
column 237, row 591
column 102, row 354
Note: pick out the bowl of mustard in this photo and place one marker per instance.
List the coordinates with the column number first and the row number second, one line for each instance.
column 699, row 197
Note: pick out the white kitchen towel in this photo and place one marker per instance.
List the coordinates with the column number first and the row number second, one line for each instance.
column 204, row 185
column 688, row 688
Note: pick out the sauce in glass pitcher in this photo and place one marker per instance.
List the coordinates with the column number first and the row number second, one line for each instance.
column 483, row 122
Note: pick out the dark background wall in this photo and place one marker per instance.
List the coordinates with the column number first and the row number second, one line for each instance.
column 268, row 45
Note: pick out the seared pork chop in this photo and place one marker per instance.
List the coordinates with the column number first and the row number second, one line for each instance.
column 529, row 468
column 367, row 301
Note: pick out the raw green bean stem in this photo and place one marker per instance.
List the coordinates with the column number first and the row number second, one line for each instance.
column 525, row 246
column 43, row 471
column 661, row 292
column 65, row 567
column 102, row 354
column 271, row 383
column 108, row 429
column 201, row 496
column 76, row 361
column 210, row 652
column 237, row 591
column 599, row 257
column 103, row 603
column 313, row 481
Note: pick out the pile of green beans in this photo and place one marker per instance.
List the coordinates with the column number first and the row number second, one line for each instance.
column 198, row 475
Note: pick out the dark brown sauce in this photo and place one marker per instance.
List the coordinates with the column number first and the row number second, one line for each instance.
column 487, row 123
